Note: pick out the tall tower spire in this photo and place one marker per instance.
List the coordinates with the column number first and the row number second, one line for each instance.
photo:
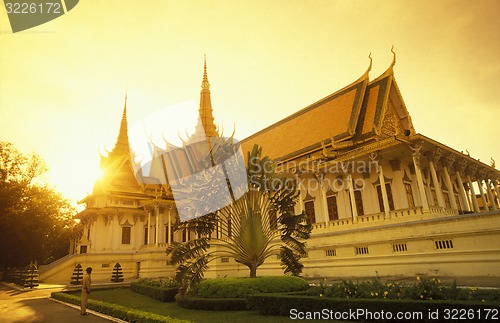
column 122, row 143
column 205, row 127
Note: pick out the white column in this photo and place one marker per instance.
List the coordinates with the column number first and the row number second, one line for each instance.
column 447, row 181
column 437, row 187
column 110, row 231
column 169, row 238
column 353, row 199
column 483, row 197
column 387, row 210
column 157, row 222
column 149, row 227
column 473, row 195
column 461, row 192
column 374, row 157
column 497, row 189
column 322, row 191
column 420, row 181
column 491, row 196
column 299, row 185
column 93, row 234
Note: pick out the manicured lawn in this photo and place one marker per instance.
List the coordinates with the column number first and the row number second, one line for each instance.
column 128, row 298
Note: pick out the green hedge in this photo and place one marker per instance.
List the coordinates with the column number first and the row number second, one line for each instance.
column 159, row 293
column 243, row 286
column 121, row 312
column 280, row 304
column 212, row 304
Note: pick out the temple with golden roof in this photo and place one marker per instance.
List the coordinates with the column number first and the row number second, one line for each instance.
column 383, row 199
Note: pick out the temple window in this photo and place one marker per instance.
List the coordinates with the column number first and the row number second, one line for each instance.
column 434, row 196
column 389, row 197
column 358, row 200
column 446, row 199
column 409, row 195
column 309, row 208
column 408, row 190
column 333, row 212
column 126, row 232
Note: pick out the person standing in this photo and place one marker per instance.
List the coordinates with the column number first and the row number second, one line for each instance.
column 86, row 283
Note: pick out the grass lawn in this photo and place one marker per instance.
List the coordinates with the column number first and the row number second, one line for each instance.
column 128, row 298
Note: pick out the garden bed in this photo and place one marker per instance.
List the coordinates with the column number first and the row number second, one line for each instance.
column 121, row 312
column 163, row 294
column 229, row 294
column 287, row 305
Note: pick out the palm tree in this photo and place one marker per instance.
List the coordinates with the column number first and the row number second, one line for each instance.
column 259, row 224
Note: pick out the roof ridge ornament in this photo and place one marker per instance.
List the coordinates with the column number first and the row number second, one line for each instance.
column 205, row 85
column 389, row 70
column 371, row 62
column 394, row 57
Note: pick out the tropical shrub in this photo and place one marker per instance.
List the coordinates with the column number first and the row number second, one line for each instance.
column 158, row 282
column 259, row 224
column 287, row 305
column 243, row 286
column 163, row 294
column 424, row 288
column 211, row 304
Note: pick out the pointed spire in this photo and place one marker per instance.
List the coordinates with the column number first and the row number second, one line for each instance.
column 204, row 84
column 205, row 127
column 122, row 143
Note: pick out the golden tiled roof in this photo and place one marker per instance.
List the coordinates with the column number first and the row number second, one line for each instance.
column 357, row 113
column 334, row 116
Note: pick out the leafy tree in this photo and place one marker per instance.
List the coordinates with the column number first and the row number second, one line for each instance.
column 35, row 220
column 259, row 224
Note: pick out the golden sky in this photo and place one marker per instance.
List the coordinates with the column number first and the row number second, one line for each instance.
column 62, row 84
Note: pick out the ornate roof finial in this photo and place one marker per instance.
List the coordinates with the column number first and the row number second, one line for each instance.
column 394, row 57
column 205, row 127
column 365, row 75
column 122, row 143
column 204, row 84
column 389, row 70
column 369, row 66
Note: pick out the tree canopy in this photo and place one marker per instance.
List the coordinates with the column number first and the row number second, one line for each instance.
column 35, row 220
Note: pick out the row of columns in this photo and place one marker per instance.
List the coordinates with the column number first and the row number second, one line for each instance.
column 155, row 211
column 467, row 201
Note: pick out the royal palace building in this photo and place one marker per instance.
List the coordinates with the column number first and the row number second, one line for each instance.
column 383, row 199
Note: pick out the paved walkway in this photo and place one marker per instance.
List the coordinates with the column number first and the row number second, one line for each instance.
column 25, row 305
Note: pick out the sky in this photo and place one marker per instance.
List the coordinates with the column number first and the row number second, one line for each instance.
column 63, row 83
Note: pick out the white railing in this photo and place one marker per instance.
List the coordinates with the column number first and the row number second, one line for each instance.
column 378, row 218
